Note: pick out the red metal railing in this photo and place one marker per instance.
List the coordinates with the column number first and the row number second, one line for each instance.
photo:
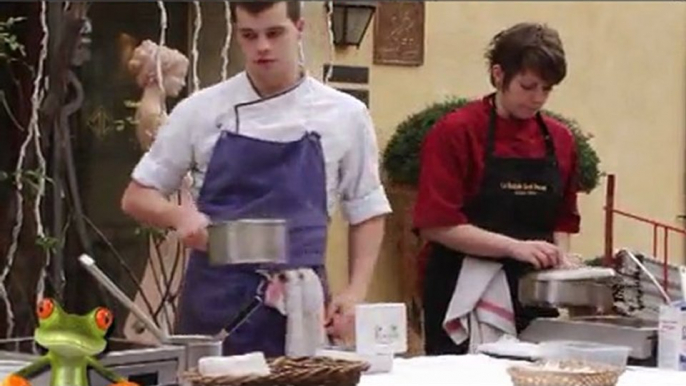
column 610, row 212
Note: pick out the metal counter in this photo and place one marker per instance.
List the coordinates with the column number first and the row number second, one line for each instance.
column 143, row 364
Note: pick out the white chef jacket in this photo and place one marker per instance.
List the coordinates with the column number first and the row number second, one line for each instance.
column 186, row 140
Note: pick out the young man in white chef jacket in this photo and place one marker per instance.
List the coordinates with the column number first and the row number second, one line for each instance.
column 270, row 142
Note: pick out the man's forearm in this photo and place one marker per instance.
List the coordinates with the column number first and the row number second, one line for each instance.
column 149, row 206
column 364, row 244
column 471, row 240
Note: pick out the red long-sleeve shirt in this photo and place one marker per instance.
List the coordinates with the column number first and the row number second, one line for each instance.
column 452, row 163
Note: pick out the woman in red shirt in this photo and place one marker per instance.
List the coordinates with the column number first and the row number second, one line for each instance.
column 497, row 184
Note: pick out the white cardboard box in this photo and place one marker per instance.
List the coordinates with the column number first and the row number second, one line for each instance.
column 671, row 344
column 381, row 328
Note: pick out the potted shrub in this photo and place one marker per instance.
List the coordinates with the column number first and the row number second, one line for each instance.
column 401, row 156
column 400, row 163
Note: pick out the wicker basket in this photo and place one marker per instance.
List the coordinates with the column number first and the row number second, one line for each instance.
column 566, row 373
column 287, row 371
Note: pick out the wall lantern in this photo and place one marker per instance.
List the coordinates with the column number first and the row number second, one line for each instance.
column 350, row 20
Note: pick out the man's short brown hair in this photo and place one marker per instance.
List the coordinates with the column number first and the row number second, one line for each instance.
column 256, row 7
column 528, row 46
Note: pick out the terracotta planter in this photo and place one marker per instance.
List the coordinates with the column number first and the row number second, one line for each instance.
column 406, row 246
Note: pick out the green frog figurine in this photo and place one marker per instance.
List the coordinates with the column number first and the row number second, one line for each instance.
column 73, row 342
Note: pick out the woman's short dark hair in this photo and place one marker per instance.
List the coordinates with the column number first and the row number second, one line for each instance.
column 255, row 7
column 528, row 46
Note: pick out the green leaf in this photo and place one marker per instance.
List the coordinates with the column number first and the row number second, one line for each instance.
column 14, row 20
column 131, row 104
column 119, row 125
column 36, row 176
column 49, row 244
column 147, row 232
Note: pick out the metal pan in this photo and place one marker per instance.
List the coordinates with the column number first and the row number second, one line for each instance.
column 565, row 293
column 248, row 241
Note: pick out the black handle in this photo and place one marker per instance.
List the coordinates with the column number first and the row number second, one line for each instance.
column 245, row 311
column 241, row 317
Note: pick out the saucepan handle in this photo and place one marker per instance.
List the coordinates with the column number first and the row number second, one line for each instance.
column 243, row 315
column 246, row 311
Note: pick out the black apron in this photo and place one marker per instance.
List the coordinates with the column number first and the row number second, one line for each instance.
column 518, row 197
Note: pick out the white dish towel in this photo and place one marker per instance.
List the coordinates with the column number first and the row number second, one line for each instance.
column 481, row 306
column 300, row 297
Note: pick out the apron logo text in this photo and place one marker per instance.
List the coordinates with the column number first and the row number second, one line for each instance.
column 521, row 189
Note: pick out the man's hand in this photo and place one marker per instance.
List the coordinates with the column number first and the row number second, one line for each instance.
column 340, row 314
column 191, row 226
column 539, row 253
column 364, row 242
column 149, row 206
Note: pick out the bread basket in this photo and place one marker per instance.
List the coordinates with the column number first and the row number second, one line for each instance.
column 564, row 373
column 286, row 371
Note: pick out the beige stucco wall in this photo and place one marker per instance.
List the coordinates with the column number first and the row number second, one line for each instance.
column 626, row 85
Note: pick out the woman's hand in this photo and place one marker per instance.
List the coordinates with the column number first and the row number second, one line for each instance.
column 540, row 254
column 571, row 261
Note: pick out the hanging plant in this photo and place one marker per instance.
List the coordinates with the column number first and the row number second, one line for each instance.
column 401, row 156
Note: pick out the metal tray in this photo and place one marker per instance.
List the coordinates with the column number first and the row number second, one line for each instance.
column 566, row 293
column 640, row 335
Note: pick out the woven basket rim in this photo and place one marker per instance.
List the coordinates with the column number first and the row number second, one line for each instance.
column 533, row 369
column 288, row 370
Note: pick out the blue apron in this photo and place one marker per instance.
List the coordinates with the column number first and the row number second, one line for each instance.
column 254, row 178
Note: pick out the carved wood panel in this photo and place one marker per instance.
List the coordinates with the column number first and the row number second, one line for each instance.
column 399, row 33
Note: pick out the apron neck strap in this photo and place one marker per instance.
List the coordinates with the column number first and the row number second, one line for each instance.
column 490, row 140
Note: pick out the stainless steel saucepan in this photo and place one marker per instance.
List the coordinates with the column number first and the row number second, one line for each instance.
column 248, row 241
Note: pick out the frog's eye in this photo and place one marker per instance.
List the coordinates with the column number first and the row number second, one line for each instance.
column 45, row 308
column 103, row 318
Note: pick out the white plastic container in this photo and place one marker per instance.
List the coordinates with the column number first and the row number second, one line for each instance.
column 588, row 352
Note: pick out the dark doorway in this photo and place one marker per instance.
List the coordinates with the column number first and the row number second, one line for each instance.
column 105, row 146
